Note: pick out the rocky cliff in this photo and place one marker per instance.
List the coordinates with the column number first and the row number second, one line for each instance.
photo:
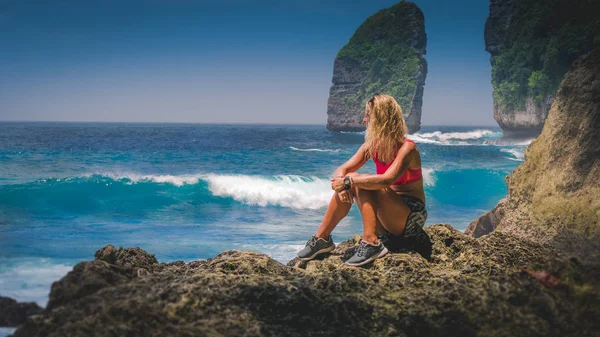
column 553, row 197
column 532, row 44
column 385, row 55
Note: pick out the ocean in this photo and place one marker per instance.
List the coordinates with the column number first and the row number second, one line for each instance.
column 190, row 191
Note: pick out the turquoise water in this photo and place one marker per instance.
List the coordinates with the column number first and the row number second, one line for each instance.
column 188, row 192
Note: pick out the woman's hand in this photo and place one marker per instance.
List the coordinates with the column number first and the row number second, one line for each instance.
column 345, row 196
column 337, row 184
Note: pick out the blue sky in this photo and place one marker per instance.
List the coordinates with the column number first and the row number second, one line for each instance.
column 231, row 61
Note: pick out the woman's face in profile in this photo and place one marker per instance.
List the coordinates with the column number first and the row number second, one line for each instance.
column 367, row 116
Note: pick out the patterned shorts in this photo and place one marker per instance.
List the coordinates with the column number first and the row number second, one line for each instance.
column 418, row 215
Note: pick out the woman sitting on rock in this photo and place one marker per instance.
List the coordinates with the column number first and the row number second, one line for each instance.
column 391, row 201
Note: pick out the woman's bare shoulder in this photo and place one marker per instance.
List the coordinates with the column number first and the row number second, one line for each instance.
column 364, row 151
column 407, row 152
column 408, row 147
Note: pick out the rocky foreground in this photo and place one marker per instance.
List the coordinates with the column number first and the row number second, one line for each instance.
column 493, row 286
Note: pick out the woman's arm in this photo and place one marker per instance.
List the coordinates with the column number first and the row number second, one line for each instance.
column 379, row 181
column 353, row 164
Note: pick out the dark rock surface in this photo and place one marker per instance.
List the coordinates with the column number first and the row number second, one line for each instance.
column 469, row 287
column 385, row 55
column 13, row 314
column 111, row 267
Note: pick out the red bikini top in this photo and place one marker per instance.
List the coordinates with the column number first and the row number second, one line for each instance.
column 409, row 175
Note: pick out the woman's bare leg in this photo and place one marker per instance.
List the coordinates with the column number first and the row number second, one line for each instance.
column 336, row 211
column 381, row 210
column 367, row 205
column 380, row 228
column 392, row 211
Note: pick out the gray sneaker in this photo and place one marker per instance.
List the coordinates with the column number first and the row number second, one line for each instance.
column 366, row 253
column 314, row 247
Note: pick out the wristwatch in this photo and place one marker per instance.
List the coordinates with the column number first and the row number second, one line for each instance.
column 347, row 183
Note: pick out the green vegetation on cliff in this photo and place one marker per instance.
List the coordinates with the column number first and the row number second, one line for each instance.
column 539, row 45
column 386, row 68
column 388, row 47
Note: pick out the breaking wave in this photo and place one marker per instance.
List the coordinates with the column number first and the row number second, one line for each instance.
column 517, row 154
column 475, row 137
column 293, row 191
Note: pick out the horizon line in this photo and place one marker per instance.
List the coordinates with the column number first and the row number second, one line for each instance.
column 208, row 123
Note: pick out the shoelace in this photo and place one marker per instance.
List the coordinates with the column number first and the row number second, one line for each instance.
column 312, row 241
column 362, row 248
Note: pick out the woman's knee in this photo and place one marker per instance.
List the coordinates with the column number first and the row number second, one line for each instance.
column 362, row 194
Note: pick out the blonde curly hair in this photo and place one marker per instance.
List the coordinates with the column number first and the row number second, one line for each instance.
column 386, row 129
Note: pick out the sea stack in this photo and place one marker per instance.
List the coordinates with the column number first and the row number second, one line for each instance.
column 385, row 55
column 532, row 44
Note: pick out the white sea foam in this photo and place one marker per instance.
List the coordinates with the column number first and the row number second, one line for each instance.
column 509, row 142
column 286, row 191
column 524, row 142
column 132, row 178
column 453, row 138
column 518, row 153
column 418, row 139
column 475, row 134
column 170, row 179
column 283, row 190
column 428, row 176
column 313, row 150
column 354, row 132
